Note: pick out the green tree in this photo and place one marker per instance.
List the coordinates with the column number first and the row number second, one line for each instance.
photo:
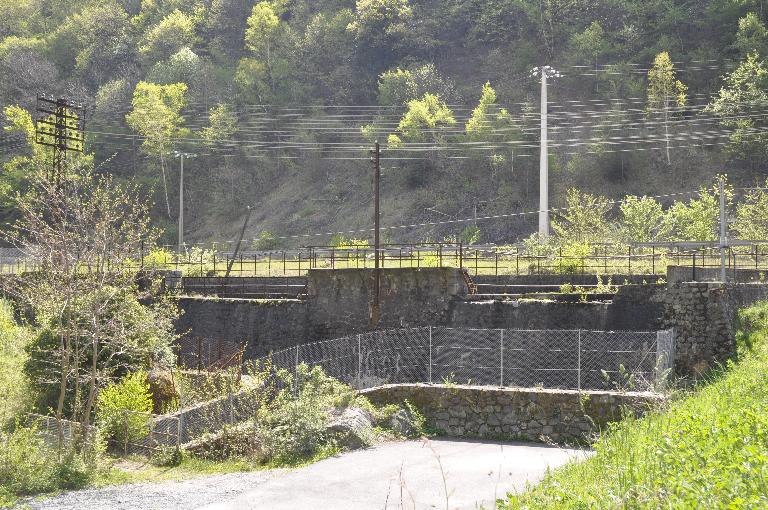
column 591, row 44
column 381, row 28
column 643, row 220
column 398, row 86
column 156, row 116
column 699, row 218
column 665, row 91
column 326, row 52
column 263, row 25
column 167, row 37
column 752, row 36
column 487, row 118
column 585, row 219
column 103, row 41
column 745, row 88
column 123, row 408
column 222, row 124
column 752, row 216
column 422, row 121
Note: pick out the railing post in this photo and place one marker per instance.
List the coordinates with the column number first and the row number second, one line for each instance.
column 429, row 370
column 501, row 357
column 578, row 370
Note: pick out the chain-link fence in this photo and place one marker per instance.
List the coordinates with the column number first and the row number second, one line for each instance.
column 208, row 354
column 145, row 433
column 132, row 433
column 48, row 428
column 565, row 359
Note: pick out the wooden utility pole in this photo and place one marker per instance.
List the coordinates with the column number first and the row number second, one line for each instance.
column 375, row 308
column 61, row 125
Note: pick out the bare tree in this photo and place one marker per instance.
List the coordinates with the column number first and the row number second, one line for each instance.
column 86, row 239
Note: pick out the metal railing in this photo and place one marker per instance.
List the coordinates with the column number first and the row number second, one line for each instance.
column 565, row 359
column 485, row 260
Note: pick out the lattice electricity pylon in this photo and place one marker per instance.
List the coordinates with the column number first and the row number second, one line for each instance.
column 61, row 125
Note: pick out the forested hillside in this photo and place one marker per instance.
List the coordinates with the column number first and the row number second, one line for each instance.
column 280, row 101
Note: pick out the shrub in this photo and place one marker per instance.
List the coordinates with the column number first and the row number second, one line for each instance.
column 166, row 456
column 29, row 466
column 292, row 426
column 123, row 407
column 13, row 383
column 266, row 241
column 572, row 259
column 470, row 235
column 347, row 243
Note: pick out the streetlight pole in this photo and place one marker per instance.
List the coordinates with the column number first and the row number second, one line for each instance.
column 544, row 72
column 181, row 156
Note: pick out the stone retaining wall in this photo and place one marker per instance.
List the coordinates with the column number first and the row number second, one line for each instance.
column 703, row 315
column 560, row 416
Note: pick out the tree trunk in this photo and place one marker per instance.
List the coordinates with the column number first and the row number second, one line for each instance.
column 66, row 350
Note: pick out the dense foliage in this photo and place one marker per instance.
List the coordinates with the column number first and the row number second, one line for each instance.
column 195, row 75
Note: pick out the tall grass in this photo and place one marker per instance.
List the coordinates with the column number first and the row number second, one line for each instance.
column 709, row 449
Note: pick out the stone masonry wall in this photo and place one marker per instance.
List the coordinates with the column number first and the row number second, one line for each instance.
column 560, row 416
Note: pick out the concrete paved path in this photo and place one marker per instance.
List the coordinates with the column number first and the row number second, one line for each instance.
column 407, row 475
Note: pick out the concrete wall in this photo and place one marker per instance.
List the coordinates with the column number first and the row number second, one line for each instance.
column 264, row 325
column 338, row 304
column 512, row 413
column 341, row 299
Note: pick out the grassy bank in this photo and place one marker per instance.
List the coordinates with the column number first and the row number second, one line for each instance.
column 708, row 450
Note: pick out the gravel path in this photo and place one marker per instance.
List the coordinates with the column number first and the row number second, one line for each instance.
column 409, row 474
column 192, row 493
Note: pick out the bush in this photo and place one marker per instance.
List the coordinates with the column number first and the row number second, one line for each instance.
column 123, row 408
column 13, row 383
column 572, row 259
column 266, row 241
column 29, row 466
column 292, row 426
column 166, row 456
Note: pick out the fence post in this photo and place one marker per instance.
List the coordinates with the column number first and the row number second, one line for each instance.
column 429, row 370
column 296, row 373
column 501, row 357
column 578, row 370
column 125, row 439
column 179, row 428
column 359, row 361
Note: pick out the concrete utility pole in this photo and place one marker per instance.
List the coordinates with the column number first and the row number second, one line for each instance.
column 181, row 156
column 723, row 231
column 545, row 73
